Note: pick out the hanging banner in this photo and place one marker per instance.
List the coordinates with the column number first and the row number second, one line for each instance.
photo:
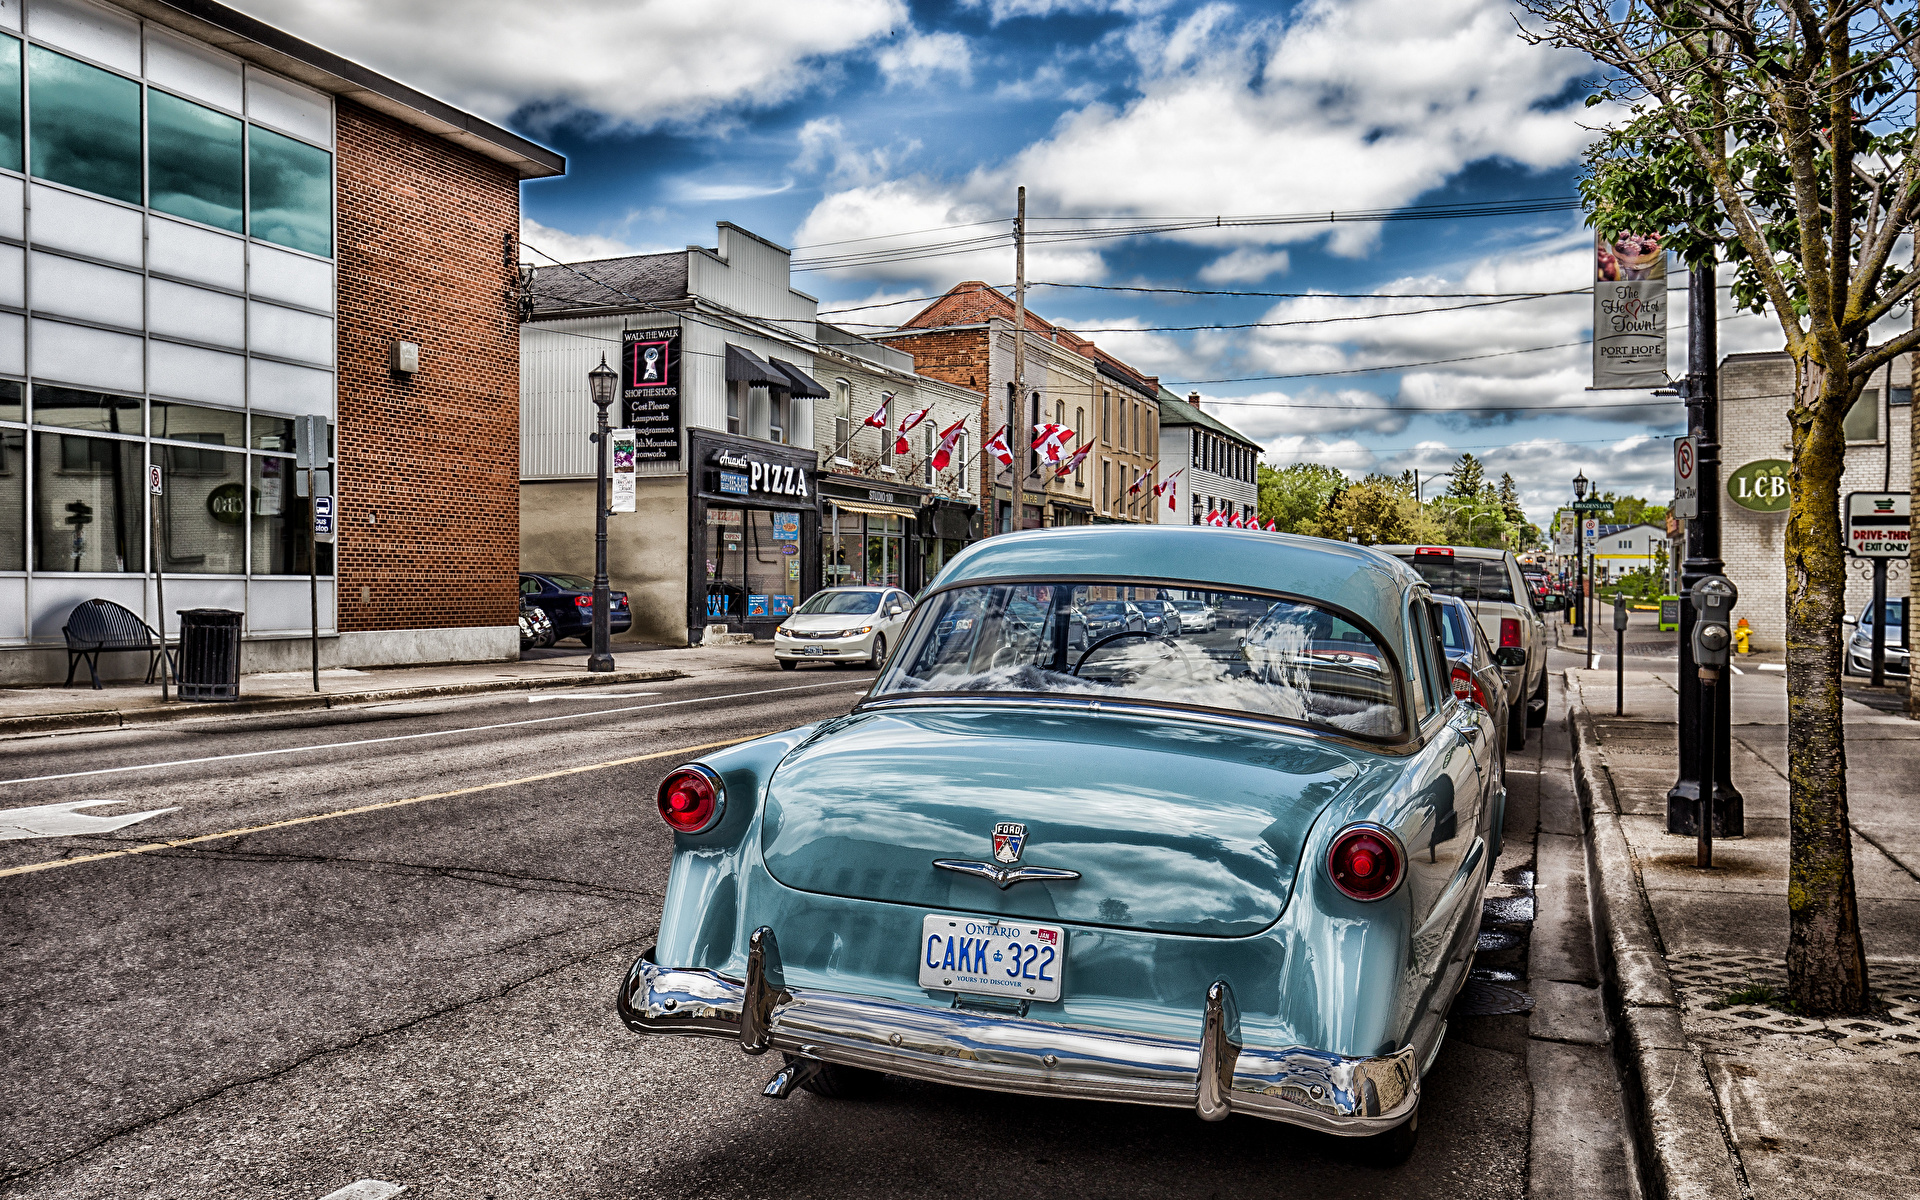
column 650, row 391
column 621, row 448
column 1629, row 310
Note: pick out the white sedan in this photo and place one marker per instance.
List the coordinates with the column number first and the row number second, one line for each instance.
column 1196, row 617
column 845, row 625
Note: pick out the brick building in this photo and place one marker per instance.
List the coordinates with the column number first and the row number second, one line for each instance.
column 966, row 337
column 1756, row 445
column 211, row 229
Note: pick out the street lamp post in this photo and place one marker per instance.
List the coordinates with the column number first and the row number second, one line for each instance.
column 1583, row 567
column 601, row 380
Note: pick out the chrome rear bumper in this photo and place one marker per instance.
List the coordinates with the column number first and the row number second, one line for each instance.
column 1004, row 1053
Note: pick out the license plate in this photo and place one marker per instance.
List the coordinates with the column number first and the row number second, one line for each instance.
column 813, row 650
column 989, row 956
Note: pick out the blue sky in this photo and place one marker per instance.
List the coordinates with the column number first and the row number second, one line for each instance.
column 825, row 120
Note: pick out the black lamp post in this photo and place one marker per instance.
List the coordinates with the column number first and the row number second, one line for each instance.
column 1581, row 485
column 602, row 380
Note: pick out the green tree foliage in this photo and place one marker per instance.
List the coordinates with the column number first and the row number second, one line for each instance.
column 1469, row 479
column 1379, row 510
column 1297, row 494
column 1510, row 501
column 1778, row 135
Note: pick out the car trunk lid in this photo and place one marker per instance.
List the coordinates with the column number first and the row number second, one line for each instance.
column 1173, row 826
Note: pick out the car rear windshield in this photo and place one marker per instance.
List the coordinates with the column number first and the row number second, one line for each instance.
column 1296, row 661
column 1454, row 633
column 834, row 603
column 572, row 582
column 1467, row 578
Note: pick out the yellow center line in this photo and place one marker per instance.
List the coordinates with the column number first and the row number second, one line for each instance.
column 363, row 808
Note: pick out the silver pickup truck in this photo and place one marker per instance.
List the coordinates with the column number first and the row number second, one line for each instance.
column 1491, row 583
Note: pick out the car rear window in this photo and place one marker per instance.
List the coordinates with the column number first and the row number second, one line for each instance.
column 571, row 582
column 1454, row 634
column 1467, row 578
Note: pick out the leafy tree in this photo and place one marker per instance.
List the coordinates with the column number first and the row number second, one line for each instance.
column 1632, row 510
column 1778, row 135
column 1296, row 494
column 1379, row 510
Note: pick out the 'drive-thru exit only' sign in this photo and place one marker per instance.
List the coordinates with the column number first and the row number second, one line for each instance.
column 1878, row 524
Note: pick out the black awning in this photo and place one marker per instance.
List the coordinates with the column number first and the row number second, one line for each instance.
column 744, row 366
column 803, row 384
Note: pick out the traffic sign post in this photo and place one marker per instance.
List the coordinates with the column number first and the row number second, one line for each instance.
column 1879, row 526
column 155, row 489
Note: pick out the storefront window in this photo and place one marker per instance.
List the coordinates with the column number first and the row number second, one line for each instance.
column 842, row 538
column 726, row 547
column 13, row 400
column 88, row 510
column 194, row 162
column 282, row 522
column 191, row 423
column 272, row 433
column 10, row 127
column 292, row 192
column 13, row 499
column 203, row 510
column 884, row 548
column 97, row 411
column 86, row 126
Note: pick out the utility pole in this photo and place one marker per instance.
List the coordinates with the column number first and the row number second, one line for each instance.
column 1701, row 389
column 1017, row 472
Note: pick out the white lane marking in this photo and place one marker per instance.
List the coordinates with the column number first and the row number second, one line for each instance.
column 1736, row 669
column 590, row 696
column 64, row 820
column 408, row 737
column 1773, row 666
column 367, row 1189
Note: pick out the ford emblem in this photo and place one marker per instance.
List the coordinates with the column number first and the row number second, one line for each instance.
column 1008, row 839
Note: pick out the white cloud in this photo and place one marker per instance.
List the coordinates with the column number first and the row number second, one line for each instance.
column 644, row 62
column 1245, row 265
column 545, row 241
column 916, row 58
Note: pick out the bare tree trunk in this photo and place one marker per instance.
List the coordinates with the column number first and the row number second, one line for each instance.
column 1826, row 963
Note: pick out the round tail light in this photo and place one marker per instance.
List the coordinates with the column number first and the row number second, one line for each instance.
column 1366, row 861
column 1466, row 687
column 691, row 800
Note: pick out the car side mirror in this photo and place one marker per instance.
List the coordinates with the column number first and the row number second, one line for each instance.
column 895, row 611
column 1510, row 656
column 1848, row 620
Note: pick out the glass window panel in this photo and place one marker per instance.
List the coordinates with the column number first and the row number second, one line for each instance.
column 272, row 433
column 193, row 161
column 191, row 423
column 770, row 570
column 726, row 568
column 10, row 139
column 282, row 522
column 86, row 126
column 76, row 409
column 292, row 200
column 88, row 514
column 203, row 511
column 13, row 499
column 1862, row 422
column 13, row 400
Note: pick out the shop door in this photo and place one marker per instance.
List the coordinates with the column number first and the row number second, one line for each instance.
column 885, row 550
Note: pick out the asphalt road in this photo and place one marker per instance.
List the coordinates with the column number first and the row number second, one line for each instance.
column 420, row 990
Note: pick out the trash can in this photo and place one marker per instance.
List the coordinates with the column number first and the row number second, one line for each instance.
column 209, row 654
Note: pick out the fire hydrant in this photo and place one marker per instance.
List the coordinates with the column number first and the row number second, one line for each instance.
column 1742, row 633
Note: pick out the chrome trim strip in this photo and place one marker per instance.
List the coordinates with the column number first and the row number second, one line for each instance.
column 760, row 995
column 1298, row 1085
column 1219, row 1051
column 1005, row 877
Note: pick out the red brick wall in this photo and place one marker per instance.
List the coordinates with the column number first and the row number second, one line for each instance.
column 432, row 460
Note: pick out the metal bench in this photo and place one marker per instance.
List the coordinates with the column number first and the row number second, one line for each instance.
column 101, row 626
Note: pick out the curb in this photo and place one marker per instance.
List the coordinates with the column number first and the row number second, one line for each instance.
column 1684, row 1149
column 109, row 718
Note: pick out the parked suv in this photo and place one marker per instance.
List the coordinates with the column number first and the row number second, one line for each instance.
column 1493, row 587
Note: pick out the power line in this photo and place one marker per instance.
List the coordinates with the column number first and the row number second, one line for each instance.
column 1463, row 410
column 1414, row 312
column 1102, row 287
column 1432, row 362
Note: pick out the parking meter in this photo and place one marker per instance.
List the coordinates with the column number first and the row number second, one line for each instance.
column 1713, row 599
column 1620, row 613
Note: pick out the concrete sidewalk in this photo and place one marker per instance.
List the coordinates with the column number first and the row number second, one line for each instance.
column 26, row 711
column 1739, row 1097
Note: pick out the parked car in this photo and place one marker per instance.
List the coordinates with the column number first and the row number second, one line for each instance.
column 536, row 628
column 1476, row 673
column 842, row 625
column 568, row 603
column 1102, row 618
column 1547, row 596
column 1197, row 616
column 1490, row 582
column 1163, row 619
column 1860, row 642
column 1140, row 872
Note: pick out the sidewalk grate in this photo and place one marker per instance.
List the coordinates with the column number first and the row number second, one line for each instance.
column 1704, row 979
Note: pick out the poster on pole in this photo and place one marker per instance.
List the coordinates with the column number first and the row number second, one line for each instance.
column 650, row 391
column 1629, row 310
column 621, row 447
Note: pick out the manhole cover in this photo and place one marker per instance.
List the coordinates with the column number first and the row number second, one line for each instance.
column 1482, row 999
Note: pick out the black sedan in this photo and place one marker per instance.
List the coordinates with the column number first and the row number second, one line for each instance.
column 568, row 602
column 1475, row 666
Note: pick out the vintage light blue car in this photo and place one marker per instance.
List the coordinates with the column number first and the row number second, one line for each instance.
column 1237, row 872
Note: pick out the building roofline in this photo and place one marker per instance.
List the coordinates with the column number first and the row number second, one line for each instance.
column 1175, row 411
column 265, row 45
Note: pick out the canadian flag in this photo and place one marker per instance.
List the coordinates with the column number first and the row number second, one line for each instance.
column 879, row 418
column 1217, row 518
column 1074, row 460
column 906, row 426
column 1134, row 487
column 1272, row 525
column 1165, row 488
column 1050, row 440
column 948, row 436
column 997, row 446
column 1238, row 521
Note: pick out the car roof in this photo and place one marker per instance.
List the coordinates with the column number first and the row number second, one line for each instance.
column 1458, row 551
column 1359, row 579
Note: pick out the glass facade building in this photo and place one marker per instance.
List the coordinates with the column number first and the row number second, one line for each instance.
column 167, row 298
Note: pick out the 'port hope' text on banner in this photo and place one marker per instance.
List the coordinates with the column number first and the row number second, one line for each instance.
column 1629, row 310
